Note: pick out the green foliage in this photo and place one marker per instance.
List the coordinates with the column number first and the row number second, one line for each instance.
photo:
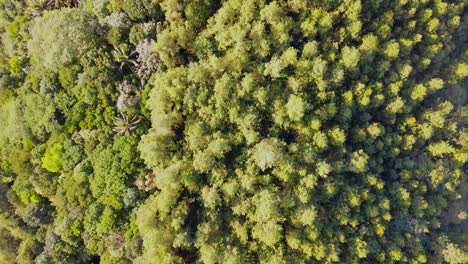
column 13, row 128
column 60, row 36
column 327, row 125
column 358, row 162
column 107, row 183
column 15, row 66
column 39, row 115
column 454, row 255
column 201, row 131
column 268, row 153
column 52, row 159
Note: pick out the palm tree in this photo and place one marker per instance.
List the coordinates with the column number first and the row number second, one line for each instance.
column 37, row 7
column 56, row 4
column 122, row 55
column 124, row 124
column 64, row 3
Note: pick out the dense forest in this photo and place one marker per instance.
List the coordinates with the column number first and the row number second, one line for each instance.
column 235, row 131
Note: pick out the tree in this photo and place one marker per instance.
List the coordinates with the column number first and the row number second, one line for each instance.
column 268, row 153
column 14, row 129
column 295, row 108
column 60, row 36
column 351, row 57
column 140, row 9
column 202, row 131
column 53, row 158
column 358, row 162
column 454, row 255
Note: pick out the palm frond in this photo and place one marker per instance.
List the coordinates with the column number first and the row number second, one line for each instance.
column 121, row 54
column 37, row 7
column 124, row 125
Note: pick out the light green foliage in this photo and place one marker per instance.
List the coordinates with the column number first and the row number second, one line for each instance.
column 350, row 57
column 323, row 169
column 396, row 105
column 13, row 128
column 139, row 9
column 440, row 149
column 369, row 43
column 309, row 113
column 60, row 36
column 268, row 153
column 436, row 84
column 107, row 183
column 358, row 162
column 266, row 217
column 320, row 140
column 375, row 130
column 39, row 115
column 392, row 50
column 337, row 135
column 461, row 70
column 52, row 159
column 295, row 108
column 361, row 248
column 237, row 131
column 418, row 93
column 395, row 254
column 307, row 216
column 454, row 255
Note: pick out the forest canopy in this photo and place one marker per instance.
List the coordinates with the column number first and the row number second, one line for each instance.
column 236, row 131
